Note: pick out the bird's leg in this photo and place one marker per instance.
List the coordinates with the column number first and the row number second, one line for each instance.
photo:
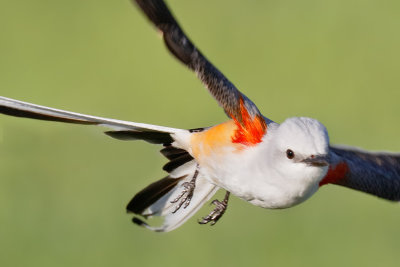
column 216, row 214
column 187, row 193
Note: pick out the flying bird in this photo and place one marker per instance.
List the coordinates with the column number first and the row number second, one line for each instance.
column 268, row 164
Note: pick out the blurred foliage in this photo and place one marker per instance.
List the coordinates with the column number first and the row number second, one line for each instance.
column 63, row 188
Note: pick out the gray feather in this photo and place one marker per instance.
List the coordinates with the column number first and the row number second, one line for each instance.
column 376, row 173
column 227, row 95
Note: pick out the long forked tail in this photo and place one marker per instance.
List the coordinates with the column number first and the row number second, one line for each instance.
column 156, row 199
column 124, row 130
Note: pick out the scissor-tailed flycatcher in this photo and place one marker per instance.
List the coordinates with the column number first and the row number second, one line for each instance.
column 268, row 164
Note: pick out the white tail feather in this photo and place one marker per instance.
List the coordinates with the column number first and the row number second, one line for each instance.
column 17, row 105
column 203, row 191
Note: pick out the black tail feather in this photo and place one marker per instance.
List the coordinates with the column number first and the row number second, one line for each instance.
column 38, row 116
column 153, row 192
column 152, row 137
column 171, row 152
column 177, row 162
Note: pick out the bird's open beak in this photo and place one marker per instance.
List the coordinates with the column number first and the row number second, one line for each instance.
column 317, row 161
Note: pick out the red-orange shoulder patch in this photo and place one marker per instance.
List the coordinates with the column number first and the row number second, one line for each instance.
column 251, row 130
column 335, row 174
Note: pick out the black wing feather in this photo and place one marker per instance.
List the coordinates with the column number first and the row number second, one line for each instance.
column 374, row 173
column 227, row 95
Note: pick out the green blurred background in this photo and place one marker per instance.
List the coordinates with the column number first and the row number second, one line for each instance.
column 63, row 188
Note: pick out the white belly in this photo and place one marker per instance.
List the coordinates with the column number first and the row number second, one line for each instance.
column 263, row 191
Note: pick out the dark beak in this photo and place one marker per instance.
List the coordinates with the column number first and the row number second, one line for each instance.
column 317, row 160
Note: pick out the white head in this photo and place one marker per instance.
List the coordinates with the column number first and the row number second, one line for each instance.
column 299, row 154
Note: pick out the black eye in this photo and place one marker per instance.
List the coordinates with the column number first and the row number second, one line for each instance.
column 289, row 154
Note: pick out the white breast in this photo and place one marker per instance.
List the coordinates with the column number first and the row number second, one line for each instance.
column 252, row 176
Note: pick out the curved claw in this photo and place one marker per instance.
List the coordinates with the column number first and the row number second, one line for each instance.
column 219, row 210
column 185, row 197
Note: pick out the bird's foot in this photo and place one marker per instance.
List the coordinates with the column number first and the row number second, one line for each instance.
column 219, row 210
column 185, row 197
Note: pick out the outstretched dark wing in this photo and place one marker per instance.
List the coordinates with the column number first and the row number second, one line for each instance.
column 376, row 173
column 235, row 104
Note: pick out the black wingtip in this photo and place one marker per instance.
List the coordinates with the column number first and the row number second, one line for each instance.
column 157, row 11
